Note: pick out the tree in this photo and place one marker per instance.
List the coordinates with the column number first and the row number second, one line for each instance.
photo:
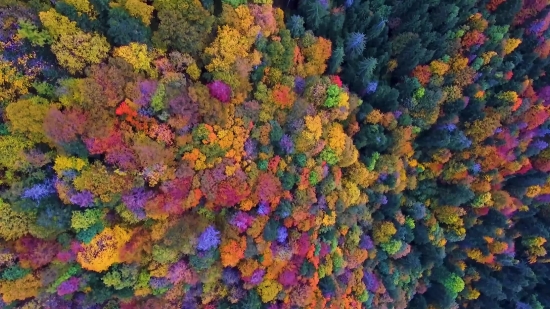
column 20, row 289
column 103, row 251
column 185, row 25
column 355, row 44
column 137, row 55
column 124, row 28
column 220, row 91
column 336, row 59
column 13, row 224
column 64, row 127
column 224, row 51
column 137, row 8
column 12, row 82
column 73, row 48
column 314, row 13
column 26, row 117
column 296, row 26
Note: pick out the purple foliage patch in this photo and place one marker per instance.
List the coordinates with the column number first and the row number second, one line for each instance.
column 282, row 234
column 287, row 144
column 264, row 208
column 39, row 191
column 299, row 84
column 371, row 87
column 242, row 221
column 135, row 201
column 68, row 287
column 366, row 242
column 147, row 89
column 220, row 91
column 83, row 199
column 371, row 282
column 209, row 239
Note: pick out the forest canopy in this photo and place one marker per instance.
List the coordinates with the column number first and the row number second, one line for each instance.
column 257, row 155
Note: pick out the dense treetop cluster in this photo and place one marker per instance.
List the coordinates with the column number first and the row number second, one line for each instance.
column 304, row 154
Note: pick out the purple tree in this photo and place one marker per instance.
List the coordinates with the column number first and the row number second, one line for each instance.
column 282, row 234
column 39, row 191
column 68, row 287
column 257, row 276
column 220, row 91
column 242, row 221
column 286, row 143
column 371, row 281
column 135, row 201
column 83, row 199
column 299, row 84
column 209, row 239
column 264, row 209
column 366, row 242
column 250, row 147
column 230, row 276
column 371, row 87
column 146, row 88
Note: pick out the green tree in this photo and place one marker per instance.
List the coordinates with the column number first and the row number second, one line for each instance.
column 124, row 28
column 185, row 25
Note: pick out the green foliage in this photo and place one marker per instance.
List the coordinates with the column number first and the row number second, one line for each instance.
column 165, row 255
column 234, row 3
column 329, row 156
column 314, row 13
column 82, row 220
column 365, row 69
column 14, row 272
column 187, row 29
column 333, row 96
column 86, row 235
column 270, row 231
column 64, row 275
column 295, row 25
column 29, row 31
column 391, row 247
column 13, row 224
column 121, row 277
column 123, row 28
column 336, row 59
column 157, row 101
column 453, row 283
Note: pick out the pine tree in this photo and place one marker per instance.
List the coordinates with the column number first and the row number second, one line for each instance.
column 355, row 44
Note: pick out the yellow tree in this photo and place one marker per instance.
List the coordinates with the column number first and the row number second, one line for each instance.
column 137, row 55
column 268, row 290
column 383, row 232
column 20, row 289
column 73, row 48
column 103, row 250
column 336, row 139
column 226, row 48
column 13, row 224
column 101, row 182
column 12, row 83
column 311, row 134
column 509, row 45
column 137, row 8
column 83, row 6
column 27, row 117
column 11, row 152
column 479, row 130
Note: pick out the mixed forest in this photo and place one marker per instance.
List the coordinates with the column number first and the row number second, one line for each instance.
column 218, row 154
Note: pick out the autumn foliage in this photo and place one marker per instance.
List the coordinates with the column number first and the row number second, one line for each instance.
column 352, row 154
